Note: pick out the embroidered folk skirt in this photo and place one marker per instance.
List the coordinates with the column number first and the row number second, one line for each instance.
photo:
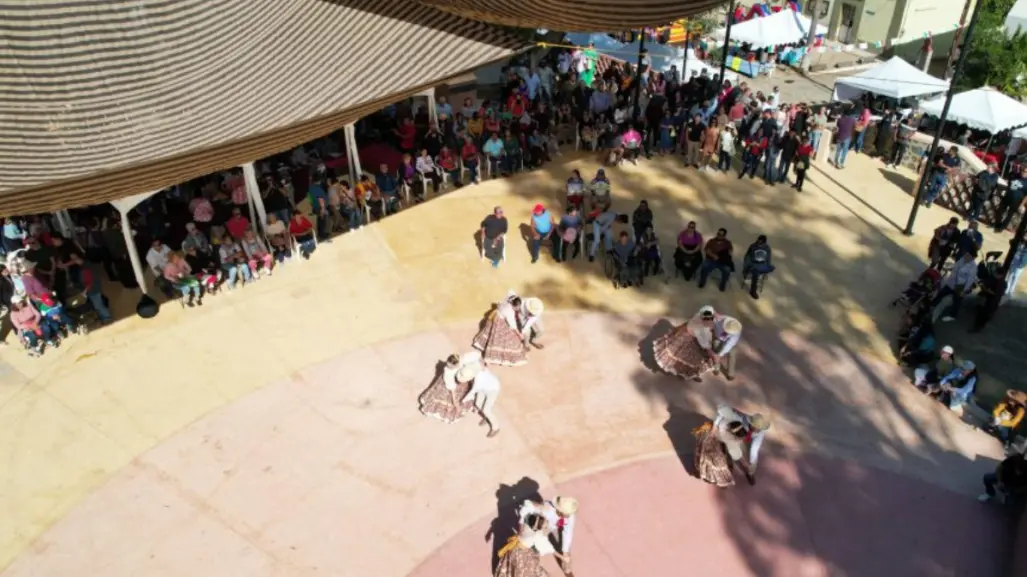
column 436, row 402
column 679, row 354
column 521, row 562
column 711, row 462
column 499, row 344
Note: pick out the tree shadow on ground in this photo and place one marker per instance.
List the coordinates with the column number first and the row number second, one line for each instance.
column 804, row 360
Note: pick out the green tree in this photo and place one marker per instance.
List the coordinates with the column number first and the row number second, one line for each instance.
column 996, row 59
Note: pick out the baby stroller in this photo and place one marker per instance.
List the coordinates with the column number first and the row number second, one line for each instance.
column 81, row 311
column 925, row 286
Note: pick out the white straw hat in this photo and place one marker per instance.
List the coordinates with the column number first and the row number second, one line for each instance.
column 467, row 373
column 566, row 506
column 732, row 326
column 759, row 421
column 534, row 306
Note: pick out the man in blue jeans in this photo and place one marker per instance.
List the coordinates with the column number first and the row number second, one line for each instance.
column 1008, row 482
column 718, row 257
column 943, row 165
column 843, row 138
column 541, row 228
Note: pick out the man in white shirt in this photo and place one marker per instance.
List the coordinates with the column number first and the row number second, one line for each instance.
column 157, row 257
column 453, row 365
column 484, row 391
column 560, row 515
column 774, row 99
column 727, row 331
column 756, row 424
column 957, row 284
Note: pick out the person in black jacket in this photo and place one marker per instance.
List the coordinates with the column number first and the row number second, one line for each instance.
column 789, row 146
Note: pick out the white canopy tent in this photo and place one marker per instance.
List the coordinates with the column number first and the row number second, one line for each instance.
column 1016, row 20
column 784, row 27
column 661, row 56
column 983, row 108
column 895, row 78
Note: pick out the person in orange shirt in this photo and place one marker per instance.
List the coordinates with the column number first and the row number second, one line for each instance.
column 365, row 190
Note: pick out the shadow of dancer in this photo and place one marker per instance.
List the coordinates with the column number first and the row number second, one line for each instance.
column 508, row 500
column 679, row 425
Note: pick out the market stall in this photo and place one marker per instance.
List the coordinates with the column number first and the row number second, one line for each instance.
column 661, row 56
column 780, row 28
column 895, row 78
column 983, row 108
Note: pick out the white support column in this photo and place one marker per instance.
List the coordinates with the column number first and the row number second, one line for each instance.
column 433, row 114
column 66, row 224
column 124, row 206
column 353, row 153
column 253, row 191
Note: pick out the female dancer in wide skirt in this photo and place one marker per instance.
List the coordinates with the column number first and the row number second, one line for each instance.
column 500, row 340
column 442, row 399
column 684, row 350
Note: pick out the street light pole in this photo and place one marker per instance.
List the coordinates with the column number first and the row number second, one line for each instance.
column 956, row 75
column 727, row 40
column 811, row 36
column 638, row 78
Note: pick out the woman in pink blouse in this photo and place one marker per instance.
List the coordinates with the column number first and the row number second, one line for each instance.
column 180, row 275
column 688, row 254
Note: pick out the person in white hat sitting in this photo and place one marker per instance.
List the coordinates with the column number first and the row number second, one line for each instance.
column 529, row 320
column 560, row 514
column 483, row 392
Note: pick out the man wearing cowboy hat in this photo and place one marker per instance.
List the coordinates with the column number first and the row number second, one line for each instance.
column 757, row 425
column 727, row 331
column 529, row 321
column 560, row 514
column 484, row 391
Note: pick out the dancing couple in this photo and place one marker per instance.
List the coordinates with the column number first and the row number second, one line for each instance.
column 546, row 528
column 733, row 437
column 707, row 342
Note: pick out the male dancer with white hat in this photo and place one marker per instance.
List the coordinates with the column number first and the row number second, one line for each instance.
column 727, row 331
column 484, row 391
column 529, row 319
column 756, row 426
column 560, row 514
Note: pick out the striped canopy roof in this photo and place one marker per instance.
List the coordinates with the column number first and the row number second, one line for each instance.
column 576, row 15
column 102, row 99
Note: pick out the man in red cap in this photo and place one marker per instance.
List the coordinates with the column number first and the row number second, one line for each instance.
column 541, row 229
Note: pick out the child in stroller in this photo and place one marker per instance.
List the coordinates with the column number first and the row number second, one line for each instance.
column 925, row 286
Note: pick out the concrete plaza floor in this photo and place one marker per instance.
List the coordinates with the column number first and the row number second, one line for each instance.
column 275, row 431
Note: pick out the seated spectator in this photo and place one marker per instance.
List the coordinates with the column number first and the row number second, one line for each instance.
column 649, row 252
column 575, row 189
column 538, row 150
column 928, row 375
column 353, row 202
column 388, row 184
column 302, row 233
column 69, row 260
column 541, row 230
column 1008, row 414
column 957, row 387
column 237, row 224
column 469, row 156
column 157, row 257
column 278, row 236
column 194, row 238
column 428, row 171
column 1008, row 483
column 448, row 162
column 32, row 286
column 29, row 324
column 641, row 219
column 234, row 262
column 718, row 257
column 568, row 233
column 756, row 263
column 600, row 187
column 918, row 347
column 336, row 217
column 494, row 153
column 54, row 314
column 205, row 267
column 407, row 173
column 602, row 230
column 513, row 155
column 624, row 252
column 259, row 257
column 180, row 275
column 631, row 144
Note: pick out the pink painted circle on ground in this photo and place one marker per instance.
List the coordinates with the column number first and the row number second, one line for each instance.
column 805, row 517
